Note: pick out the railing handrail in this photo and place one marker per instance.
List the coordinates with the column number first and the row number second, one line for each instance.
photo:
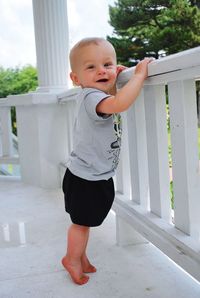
column 168, row 65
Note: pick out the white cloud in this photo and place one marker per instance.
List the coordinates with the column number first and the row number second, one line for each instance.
column 86, row 18
column 16, row 33
column 93, row 19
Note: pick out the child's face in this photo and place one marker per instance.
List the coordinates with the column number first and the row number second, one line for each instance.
column 96, row 67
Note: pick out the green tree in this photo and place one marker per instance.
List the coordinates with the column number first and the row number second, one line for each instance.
column 17, row 81
column 150, row 28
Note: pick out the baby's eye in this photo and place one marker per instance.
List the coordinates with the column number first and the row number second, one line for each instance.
column 108, row 64
column 90, row 66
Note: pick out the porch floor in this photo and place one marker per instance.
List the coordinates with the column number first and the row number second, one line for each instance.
column 33, row 240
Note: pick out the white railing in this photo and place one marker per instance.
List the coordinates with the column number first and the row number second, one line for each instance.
column 7, row 154
column 44, row 135
column 143, row 179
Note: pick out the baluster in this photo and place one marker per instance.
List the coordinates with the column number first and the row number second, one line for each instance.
column 138, row 152
column 157, row 147
column 123, row 171
column 186, row 176
column 72, row 105
column 6, row 131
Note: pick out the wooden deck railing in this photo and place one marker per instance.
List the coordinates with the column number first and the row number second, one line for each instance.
column 143, row 180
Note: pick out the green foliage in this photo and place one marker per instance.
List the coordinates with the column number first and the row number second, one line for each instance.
column 147, row 28
column 17, row 81
column 198, row 85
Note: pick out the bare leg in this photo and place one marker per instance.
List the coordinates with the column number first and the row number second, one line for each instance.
column 77, row 242
column 86, row 265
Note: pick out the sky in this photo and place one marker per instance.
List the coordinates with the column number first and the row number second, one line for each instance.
column 17, row 43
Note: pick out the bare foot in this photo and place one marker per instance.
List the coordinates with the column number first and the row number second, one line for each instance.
column 87, row 266
column 75, row 271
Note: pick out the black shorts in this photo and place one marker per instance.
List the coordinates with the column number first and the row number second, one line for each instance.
column 87, row 202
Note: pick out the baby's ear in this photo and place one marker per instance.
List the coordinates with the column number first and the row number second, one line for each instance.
column 74, row 79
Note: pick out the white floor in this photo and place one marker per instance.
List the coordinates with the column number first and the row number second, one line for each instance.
column 33, row 239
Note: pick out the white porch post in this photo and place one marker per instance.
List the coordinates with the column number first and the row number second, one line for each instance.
column 51, row 36
column 41, row 121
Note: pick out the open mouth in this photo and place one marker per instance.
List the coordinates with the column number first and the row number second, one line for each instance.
column 102, row 81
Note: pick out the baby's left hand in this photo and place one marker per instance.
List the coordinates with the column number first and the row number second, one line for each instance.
column 141, row 69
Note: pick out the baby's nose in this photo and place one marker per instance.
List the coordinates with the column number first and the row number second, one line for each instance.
column 101, row 70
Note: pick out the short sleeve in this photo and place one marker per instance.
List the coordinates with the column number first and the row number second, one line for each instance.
column 92, row 97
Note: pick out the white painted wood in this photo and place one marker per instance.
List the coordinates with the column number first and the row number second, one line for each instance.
column 70, row 117
column 162, row 78
column 122, row 181
column 31, row 98
column 182, row 74
column 122, row 177
column 186, row 174
column 5, row 132
column 157, row 149
column 178, row 61
column 161, row 70
column 67, row 95
column 180, row 247
column 43, row 142
column 182, row 241
column 138, row 152
column 51, row 36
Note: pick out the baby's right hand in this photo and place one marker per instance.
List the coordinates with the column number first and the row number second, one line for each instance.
column 141, row 69
column 120, row 68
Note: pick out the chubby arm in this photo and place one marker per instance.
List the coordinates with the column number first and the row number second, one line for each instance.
column 124, row 98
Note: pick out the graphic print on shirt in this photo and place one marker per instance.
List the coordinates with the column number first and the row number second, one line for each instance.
column 118, row 131
column 115, row 146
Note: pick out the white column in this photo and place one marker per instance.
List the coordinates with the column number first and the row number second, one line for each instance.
column 51, row 36
column 42, row 122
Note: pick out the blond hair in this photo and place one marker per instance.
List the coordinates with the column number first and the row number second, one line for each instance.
column 83, row 43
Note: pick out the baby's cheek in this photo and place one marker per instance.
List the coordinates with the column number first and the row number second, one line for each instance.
column 115, row 73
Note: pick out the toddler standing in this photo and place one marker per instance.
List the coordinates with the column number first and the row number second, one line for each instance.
column 88, row 183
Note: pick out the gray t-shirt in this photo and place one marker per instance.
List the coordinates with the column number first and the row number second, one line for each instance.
column 96, row 139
